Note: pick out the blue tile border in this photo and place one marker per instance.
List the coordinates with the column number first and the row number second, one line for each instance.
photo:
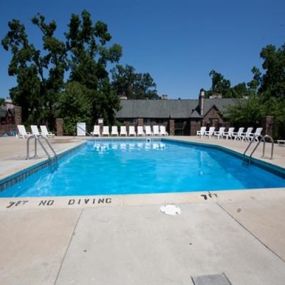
column 24, row 173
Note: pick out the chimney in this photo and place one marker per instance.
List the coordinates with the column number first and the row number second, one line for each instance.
column 201, row 101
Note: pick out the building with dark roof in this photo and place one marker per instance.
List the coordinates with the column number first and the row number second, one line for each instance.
column 181, row 117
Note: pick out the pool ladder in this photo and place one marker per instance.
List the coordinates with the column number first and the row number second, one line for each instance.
column 39, row 139
column 259, row 139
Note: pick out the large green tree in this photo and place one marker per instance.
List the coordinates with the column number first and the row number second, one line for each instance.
column 127, row 82
column 89, row 57
column 44, row 75
column 266, row 93
column 39, row 72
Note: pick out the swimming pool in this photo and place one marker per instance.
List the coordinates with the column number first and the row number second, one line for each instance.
column 139, row 167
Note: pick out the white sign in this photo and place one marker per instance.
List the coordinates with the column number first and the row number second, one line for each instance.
column 81, row 129
column 100, row 121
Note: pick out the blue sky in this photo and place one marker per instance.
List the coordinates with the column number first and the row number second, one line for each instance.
column 177, row 42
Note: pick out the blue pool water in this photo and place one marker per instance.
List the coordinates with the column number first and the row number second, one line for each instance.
column 132, row 167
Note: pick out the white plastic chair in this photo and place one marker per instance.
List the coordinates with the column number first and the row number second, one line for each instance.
column 45, row 132
column 123, row 131
column 114, row 131
column 35, row 130
column 220, row 133
column 238, row 134
column 132, row 131
column 163, row 131
column 140, row 131
column 155, row 130
column 96, row 131
column 22, row 133
column 229, row 133
column 256, row 134
column 210, row 132
column 148, row 131
column 247, row 135
column 201, row 132
column 105, row 131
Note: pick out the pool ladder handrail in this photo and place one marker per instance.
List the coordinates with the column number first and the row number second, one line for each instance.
column 259, row 139
column 37, row 139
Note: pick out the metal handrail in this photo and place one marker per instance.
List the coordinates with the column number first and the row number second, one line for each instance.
column 28, row 147
column 272, row 145
column 51, row 148
column 261, row 139
column 38, row 139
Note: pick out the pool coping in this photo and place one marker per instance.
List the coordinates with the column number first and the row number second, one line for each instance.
column 25, row 172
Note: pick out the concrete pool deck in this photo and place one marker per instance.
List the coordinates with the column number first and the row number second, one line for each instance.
column 127, row 240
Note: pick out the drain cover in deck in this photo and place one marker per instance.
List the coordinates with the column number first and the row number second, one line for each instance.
column 215, row 279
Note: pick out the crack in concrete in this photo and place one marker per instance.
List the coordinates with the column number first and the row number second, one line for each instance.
column 67, row 248
column 252, row 234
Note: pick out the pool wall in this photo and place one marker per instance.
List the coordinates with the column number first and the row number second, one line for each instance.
column 22, row 174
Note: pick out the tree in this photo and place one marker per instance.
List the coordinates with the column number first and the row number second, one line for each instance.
column 39, row 76
column 273, row 80
column 41, row 90
column 88, row 56
column 246, row 113
column 2, row 100
column 74, row 105
column 220, row 85
column 255, row 83
column 127, row 82
column 266, row 93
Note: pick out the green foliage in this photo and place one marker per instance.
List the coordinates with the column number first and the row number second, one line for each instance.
column 266, row 93
column 220, row 85
column 126, row 82
column 2, row 100
column 39, row 73
column 85, row 55
column 74, row 105
column 273, row 80
column 247, row 112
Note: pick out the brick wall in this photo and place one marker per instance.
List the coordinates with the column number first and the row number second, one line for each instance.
column 213, row 118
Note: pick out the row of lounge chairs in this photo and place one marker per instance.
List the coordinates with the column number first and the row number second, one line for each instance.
column 22, row 133
column 141, row 131
column 247, row 135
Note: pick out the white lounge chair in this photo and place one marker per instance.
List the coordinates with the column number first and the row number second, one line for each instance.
column 210, row 132
column 247, row 135
column 123, row 131
column 96, row 131
column 238, row 135
column 132, row 131
column 163, row 131
column 256, row 134
column 201, row 132
column 105, row 131
column 140, row 131
column 45, row 132
column 35, row 130
column 148, row 131
column 155, row 130
column 229, row 133
column 220, row 133
column 22, row 133
column 114, row 131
